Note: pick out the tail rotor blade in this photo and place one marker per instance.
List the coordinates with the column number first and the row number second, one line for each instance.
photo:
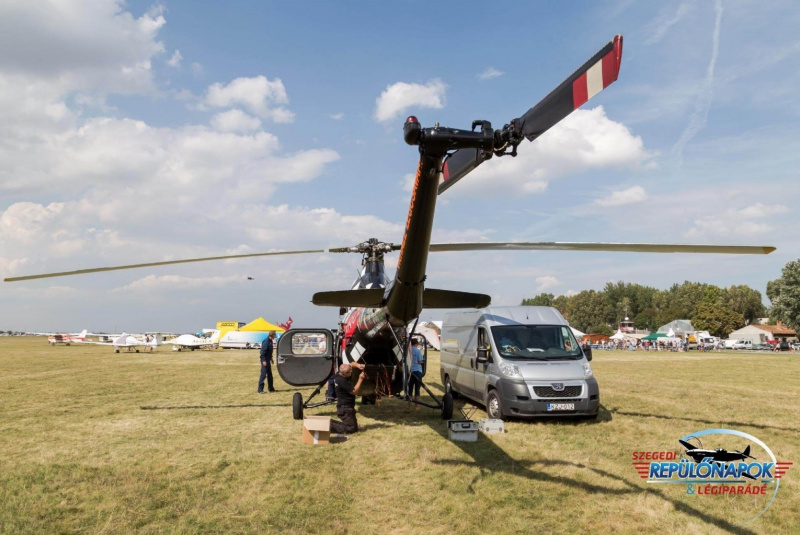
column 458, row 165
column 591, row 78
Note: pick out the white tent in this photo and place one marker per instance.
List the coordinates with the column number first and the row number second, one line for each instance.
column 577, row 333
column 618, row 336
column 671, row 334
column 431, row 336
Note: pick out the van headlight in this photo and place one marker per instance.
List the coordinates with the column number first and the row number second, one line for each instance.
column 511, row 370
column 587, row 370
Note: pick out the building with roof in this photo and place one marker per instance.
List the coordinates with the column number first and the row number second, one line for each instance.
column 759, row 334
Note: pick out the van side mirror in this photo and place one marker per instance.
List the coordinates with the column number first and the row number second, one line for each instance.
column 587, row 350
column 483, row 355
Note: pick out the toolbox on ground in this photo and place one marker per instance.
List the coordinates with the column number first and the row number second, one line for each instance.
column 491, row 426
column 463, row 430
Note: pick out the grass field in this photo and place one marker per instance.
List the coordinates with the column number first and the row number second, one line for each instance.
column 167, row 442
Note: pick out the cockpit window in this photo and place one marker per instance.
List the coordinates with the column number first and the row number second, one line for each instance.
column 537, row 342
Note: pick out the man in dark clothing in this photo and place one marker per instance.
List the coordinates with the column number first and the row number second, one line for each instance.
column 266, row 363
column 346, row 398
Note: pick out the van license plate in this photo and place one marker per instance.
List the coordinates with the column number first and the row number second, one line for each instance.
column 560, row 406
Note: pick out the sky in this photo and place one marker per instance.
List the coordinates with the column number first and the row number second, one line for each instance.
column 139, row 131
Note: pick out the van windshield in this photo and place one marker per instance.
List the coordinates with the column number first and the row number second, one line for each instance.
column 536, row 342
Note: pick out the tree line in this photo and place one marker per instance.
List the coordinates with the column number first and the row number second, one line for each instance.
column 710, row 308
column 719, row 311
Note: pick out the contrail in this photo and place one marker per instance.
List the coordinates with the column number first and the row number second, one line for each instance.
column 703, row 103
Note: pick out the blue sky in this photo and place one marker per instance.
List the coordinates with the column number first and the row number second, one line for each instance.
column 137, row 131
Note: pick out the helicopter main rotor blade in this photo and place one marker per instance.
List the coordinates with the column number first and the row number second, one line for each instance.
column 153, row 264
column 600, row 246
column 599, row 72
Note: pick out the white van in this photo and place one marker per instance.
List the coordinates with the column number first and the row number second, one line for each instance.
column 518, row 362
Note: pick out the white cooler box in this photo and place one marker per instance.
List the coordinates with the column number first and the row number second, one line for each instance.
column 491, row 426
column 463, row 430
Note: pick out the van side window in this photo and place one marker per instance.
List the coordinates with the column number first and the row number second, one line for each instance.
column 483, row 339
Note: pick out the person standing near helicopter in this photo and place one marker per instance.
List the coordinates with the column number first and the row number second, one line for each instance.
column 415, row 381
column 266, row 364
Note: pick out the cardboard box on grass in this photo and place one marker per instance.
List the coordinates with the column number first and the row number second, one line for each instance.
column 316, row 430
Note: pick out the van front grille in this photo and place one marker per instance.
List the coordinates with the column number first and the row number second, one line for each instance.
column 548, row 392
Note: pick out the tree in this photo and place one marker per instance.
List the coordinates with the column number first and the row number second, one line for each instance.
column 541, row 300
column 601, row 328
column 784, row 293
column 717, row 317
column 588, row 308
column 747, row 302
column 647, row 319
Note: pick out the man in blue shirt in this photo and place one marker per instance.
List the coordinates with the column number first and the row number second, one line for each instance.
column 415, row 381
column 266, row 363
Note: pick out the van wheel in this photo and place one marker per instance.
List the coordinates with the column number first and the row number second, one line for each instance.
column 448, row 387
column 447, row 406
column 493, row 407
column 297, row 406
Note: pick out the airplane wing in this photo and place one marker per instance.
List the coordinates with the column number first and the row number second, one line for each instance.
column 687, row 445
column 602, row 246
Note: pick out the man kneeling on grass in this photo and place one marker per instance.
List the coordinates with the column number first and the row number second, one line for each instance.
column 346, row 398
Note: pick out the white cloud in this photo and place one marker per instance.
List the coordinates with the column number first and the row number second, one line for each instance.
column 257, row 94
column 197, row 69
column 546, row 282
column 631, row 195
column 175, row 60
column 78, row 45
column 407, row 183
column 402, row 96
column 732, row 223
column 586, row 139
column 337, row 116
column 235, row 121
column 571, row 293
column 162, row 283
column 489, row 73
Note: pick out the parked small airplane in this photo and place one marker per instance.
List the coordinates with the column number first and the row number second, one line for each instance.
column 65, row 338
column 130, row 342
column 191, row 342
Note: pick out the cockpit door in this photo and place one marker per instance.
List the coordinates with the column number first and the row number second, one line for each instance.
column 305, row 356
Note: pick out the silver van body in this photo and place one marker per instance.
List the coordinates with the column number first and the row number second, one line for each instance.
column 549, row 375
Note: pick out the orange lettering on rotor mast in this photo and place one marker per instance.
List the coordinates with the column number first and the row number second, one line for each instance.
column 410, row 211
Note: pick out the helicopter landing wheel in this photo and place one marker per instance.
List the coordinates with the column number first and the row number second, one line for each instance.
column 297, row 406
column 447, row 406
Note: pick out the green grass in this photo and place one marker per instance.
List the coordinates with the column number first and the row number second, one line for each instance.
column 167, row 442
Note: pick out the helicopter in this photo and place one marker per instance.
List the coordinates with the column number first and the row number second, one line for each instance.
column 376, row 311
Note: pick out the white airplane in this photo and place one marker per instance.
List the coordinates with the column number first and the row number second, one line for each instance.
column 65, row 338
column 209, row 339
column 132, row 343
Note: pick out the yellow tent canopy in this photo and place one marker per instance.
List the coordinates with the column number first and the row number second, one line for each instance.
column 262, row 325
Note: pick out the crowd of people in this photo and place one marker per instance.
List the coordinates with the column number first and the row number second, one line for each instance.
column 672, row 344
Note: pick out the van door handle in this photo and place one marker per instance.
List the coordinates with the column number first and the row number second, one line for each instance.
column 281, row 360
column 471, row 363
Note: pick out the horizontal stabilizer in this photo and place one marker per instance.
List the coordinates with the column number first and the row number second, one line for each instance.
column 433, row 298
column 371, row 298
